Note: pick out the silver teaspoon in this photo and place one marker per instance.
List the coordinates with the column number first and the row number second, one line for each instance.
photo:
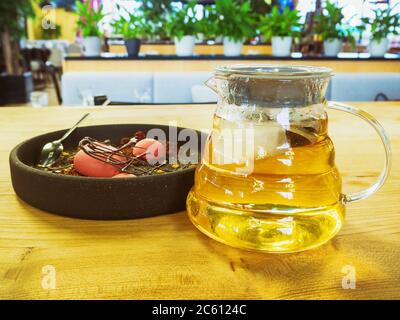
column 51, row 151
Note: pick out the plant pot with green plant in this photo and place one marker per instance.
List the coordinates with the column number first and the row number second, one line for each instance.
column 88, row 23
column 235, row 22
column 383, row 24
column 332, row 29
column 155, row 14
column 132, row 28
column 281, row 28
column 183, row 26
column 15, row 83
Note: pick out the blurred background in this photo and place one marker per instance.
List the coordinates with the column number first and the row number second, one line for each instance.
column 45, row 43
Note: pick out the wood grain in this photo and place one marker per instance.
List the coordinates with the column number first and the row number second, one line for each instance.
column 166, row 257
column 210, row 65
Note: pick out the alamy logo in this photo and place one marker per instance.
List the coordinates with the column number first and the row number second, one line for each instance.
column 48, row 17
column 49, row 281
column 349, row 279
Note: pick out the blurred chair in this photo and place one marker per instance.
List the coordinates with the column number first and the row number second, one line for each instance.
column 56, row 57
column 35, row 60
column 55, row 78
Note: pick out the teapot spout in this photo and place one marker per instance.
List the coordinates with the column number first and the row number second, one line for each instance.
column 212, row 84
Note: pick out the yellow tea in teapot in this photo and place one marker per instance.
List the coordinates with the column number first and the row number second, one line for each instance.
column 267, row 180
column 289, row 202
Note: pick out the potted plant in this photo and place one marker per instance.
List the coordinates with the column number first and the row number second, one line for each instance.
column 281, row 28
column 15, row 84
column 384, row 23
column 183, row 26
column 235, row 22
column 155, row 14
column 132, row 28
column 332, row 29
column 208, row 24
column 88, row 24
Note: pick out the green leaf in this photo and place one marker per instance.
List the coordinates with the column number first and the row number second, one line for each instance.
column 89, row 19
column 280, row 24
column 385, row 22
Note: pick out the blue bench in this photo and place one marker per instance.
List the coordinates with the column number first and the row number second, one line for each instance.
column 188, row 87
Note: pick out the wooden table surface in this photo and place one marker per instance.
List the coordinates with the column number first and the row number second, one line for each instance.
column 166, row 257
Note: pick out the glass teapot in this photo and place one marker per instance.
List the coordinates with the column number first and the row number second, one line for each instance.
column 267, row 180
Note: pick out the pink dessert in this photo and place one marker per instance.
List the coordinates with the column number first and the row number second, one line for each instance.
column 91, row 167
column 150, row 149
column 131, row 157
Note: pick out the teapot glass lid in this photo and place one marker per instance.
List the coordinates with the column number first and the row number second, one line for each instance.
column 273, row 71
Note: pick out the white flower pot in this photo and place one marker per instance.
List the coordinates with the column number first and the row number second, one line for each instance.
column 185, row 46
column 332, row 47
column 91, row 46
column 281, row 46
column 378, row 48
column 232, row 48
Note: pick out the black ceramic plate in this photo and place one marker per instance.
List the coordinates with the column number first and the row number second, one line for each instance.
column 98, row 198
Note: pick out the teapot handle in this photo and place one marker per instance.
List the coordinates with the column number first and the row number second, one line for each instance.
column 386, row 143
